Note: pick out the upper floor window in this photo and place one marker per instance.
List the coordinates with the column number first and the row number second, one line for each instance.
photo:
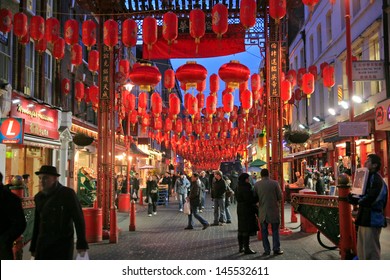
column 376, row 86
column 355, row 7
column 31, row 6
column 329, row 26
column 311, row 49
column 319, row 39
column 29, row 66
column 5, row 62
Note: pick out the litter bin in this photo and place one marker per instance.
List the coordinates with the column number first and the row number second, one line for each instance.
column 93, row 224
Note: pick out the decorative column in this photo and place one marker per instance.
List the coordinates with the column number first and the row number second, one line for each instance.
column 106, row 139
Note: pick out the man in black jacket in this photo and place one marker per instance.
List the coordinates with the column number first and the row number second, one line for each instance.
column 56, row 210
column 12, row 221
column 218, row 195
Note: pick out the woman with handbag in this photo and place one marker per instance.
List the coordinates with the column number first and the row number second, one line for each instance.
column 152, row 195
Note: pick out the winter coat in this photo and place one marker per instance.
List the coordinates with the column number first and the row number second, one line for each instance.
column 270, row 195
column 53, row 234
column 372, row 203
column 195, row 193
column 219, row 189
column 152, row 185
column 12, row 222
column 182, row 185
column 246, row 208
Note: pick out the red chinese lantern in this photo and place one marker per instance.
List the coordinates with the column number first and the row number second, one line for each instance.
column 277, row 9
column 246, row 99
column 25, row 39
column 255, row 82
column 322, row 66
column 169, row 79
column 197, row 25
column 129, row 32
column 298, row 94
column 191, row 73
column 145, row 120
column 131, row 101
column 170, row 27
column 88, row 33
column 93, row 61
column 71, row 31
column 20, row 25
column 328, row 76
column 52, row 29
column 301, row 72
column 37, row 28
column 59, row 48
column 200, row 97
column 168, row 125
column 214, row 83
column 94, row 96
column 308, row 84
column 228, row 102
column 6, row 21
column 233, row 73
column 157, row 125
column 310, row 3
column 188, row 128
column 145, row 76
column 65, row 86
column 248, row 11
column 149, row 31
column 174, row 104
column 285, row 89
column 156, row 102
column 41, row 45
column 110, row 33
column 79, row 91
column 124, row 70
column 292, row 77
column 143, row 100
column 211, row 104
column 219, row 15
column 133, row 117
column 76, row 55
column 178, row 126
column 313, row 69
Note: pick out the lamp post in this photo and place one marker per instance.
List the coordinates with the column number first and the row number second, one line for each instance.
column 349, row 80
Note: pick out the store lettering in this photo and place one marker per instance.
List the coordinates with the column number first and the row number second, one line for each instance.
column 34, row 114
column 35, row 129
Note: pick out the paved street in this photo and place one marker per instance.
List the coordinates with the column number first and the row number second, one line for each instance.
column 162, row 237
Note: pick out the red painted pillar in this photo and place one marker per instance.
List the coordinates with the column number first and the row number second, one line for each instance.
column 363, row 153
column 347, row 242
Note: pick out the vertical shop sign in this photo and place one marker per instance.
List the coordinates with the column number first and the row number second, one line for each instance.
column 274, row 69
column 106, row 71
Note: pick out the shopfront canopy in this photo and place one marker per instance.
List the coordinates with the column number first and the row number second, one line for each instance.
column 257, row 163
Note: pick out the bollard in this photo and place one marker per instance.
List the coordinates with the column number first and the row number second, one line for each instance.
column 132, row 216
column 141, row 197
column 124, row 202
column 347, row 242
column 294, row 218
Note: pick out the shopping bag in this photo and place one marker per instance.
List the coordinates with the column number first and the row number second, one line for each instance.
column 83, row 256
column 187, row 208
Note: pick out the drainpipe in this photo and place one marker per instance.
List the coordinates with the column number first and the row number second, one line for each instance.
column 303, row 36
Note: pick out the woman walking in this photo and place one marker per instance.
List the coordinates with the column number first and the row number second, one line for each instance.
column 152, row 194
column 246, row 213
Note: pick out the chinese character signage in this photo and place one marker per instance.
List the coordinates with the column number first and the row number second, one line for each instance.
column 368, row 70
column 11, row 131
column 274, row 50
column 105, row 72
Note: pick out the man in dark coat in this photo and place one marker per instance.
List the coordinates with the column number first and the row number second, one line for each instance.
column 246, row 213
column 12, row 221
column 56, row 210
column 195, row 198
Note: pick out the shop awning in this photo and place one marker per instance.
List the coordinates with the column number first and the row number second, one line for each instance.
column 306, row 153
column 137, row 152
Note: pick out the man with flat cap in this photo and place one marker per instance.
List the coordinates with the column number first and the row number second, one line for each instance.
column 56, row 210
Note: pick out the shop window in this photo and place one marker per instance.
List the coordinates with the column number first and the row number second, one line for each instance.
column 5, row 61
column 29, row 67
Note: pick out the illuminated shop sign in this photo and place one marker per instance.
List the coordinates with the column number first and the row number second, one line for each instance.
column 39, row 119
column 382, row 116
column 11, row 131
